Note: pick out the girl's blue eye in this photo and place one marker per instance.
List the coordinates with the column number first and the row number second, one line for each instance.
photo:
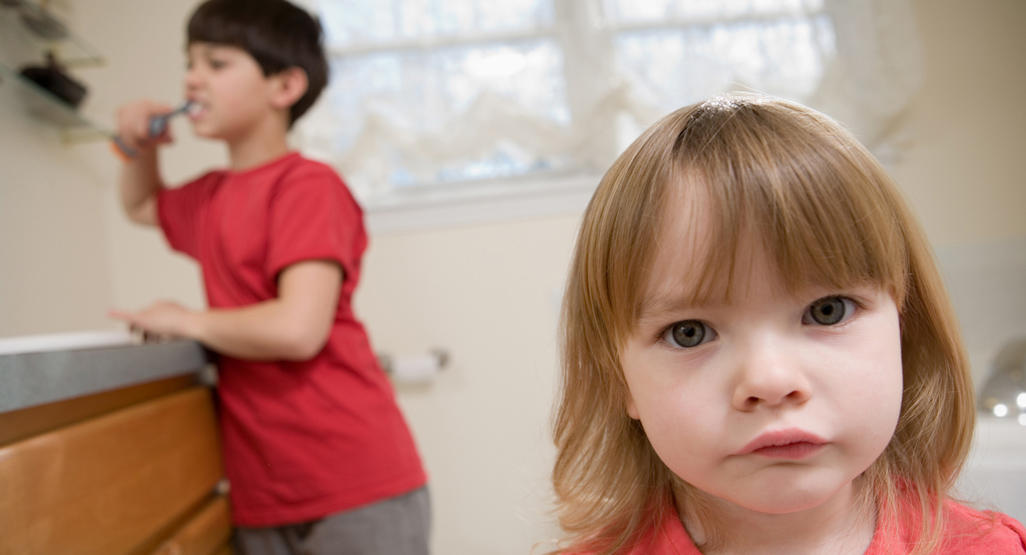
column 688, row 333
column 829, row 311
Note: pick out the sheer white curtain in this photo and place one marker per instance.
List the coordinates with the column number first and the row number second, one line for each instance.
column 464, row 97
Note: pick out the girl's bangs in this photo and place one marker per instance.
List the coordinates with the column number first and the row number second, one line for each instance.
column 818, row 207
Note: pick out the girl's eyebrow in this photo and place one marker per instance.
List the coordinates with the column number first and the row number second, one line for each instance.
column 655, row 306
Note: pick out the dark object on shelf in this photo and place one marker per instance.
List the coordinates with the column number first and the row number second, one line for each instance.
column 52, row 78
column 42, row 22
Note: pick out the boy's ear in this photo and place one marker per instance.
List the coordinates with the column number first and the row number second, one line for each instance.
column 288, row 86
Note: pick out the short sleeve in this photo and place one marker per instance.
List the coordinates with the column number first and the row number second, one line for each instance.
column 181, row 211
column 314, row 217
column 972, row 531
column 1009, row 534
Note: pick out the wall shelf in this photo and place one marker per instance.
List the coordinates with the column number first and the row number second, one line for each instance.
column 22, row 44
column 15, row 22
column 42, row 105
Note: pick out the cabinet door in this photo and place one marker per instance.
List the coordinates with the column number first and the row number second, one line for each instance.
column 118, row 483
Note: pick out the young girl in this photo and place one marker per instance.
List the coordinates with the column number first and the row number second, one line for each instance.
column 759, row 355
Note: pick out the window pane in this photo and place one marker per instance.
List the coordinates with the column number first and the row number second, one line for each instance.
column 427, row 93
column 408, row 94
column 656, row 11
column 361, row 22
column 784, row 58
column 348, row 22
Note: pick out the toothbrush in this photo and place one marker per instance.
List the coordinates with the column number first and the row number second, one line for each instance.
column 157, row 126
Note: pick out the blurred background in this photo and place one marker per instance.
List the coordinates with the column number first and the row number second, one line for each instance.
column 473, row 133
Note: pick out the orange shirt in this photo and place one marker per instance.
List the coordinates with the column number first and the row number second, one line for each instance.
column 967, row 532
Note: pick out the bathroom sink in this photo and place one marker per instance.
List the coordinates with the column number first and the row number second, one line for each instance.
column 995, row 473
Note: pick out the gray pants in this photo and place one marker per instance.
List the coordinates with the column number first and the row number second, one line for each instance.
column 396, row 526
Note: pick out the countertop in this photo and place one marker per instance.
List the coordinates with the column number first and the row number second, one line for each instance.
column 43, row 376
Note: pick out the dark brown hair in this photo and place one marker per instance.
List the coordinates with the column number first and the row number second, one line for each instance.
column 278, row 34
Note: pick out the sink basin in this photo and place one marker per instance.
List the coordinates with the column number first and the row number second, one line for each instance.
column 64, row 341
column 995, row 473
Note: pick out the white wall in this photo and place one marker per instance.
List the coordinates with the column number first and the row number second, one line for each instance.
column 489, row 293
column 54, row 274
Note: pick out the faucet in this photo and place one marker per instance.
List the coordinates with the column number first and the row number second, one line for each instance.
column 1004, row 393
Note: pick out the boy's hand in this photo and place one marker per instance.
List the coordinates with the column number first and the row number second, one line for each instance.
column 163, row 318
column 133, row 124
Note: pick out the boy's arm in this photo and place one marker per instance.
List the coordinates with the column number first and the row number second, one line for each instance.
column 140, row 179
column 294, row 326
column 139, row 184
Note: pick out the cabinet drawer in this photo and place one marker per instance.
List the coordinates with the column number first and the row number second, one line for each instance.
column 117, row 483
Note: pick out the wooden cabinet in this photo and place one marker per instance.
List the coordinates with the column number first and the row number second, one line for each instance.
column 136, row 469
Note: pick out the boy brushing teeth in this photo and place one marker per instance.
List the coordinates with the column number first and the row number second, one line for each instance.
column 319, row 456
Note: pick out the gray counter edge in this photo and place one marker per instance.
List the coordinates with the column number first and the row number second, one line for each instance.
column 31, row 379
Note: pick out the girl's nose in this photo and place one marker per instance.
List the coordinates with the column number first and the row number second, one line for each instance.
column 769, row 374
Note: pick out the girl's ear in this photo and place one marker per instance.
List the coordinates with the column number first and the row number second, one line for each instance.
column 287, row 87
column 632, row 409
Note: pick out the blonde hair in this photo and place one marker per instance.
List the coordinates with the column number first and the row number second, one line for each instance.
column 827, row 213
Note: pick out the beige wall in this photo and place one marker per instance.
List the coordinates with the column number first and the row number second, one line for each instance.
column 54, row 274
column 967, row 127
column 66, row 254
column 962, row 169
column 489, row 293
column 144, row 46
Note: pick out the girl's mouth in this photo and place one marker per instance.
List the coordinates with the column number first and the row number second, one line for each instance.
column 797, row 450
column 784, row 444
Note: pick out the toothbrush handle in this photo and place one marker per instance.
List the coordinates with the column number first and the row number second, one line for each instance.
column 157, row 126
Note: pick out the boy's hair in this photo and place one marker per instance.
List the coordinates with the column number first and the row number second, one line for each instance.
column 278, row 34
column 827, row 214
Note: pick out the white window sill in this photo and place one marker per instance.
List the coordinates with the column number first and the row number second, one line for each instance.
column 484, row 204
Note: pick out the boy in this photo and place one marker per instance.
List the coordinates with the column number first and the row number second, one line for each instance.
column 317, row 452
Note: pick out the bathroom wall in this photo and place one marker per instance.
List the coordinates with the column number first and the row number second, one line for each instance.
column 489, row 293
column 66, row 254
column 961, row 170
column 967, row 126
column 54, row 270
column 145, row 60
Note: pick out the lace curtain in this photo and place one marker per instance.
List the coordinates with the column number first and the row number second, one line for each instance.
column 463, row 97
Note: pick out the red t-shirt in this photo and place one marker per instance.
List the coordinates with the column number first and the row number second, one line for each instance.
column 967, row 532
column 301, row 440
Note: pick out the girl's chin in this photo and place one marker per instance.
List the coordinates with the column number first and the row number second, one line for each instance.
column 784, row 506
column 791, row 502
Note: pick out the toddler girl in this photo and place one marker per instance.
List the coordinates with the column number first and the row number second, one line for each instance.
column 758, row 353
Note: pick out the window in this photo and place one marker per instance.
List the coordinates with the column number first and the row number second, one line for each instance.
column 458, row 98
